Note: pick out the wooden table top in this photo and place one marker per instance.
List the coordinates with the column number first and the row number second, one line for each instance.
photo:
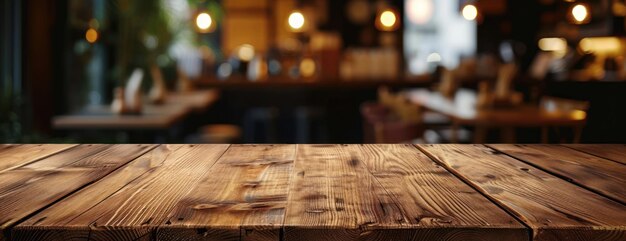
column 462, row 109
column 312, row 192
column 163, row 116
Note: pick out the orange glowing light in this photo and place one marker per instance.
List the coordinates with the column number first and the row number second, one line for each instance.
column 91, row 35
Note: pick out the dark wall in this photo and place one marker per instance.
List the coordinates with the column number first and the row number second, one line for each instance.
column 40, row 46
column 606, row 121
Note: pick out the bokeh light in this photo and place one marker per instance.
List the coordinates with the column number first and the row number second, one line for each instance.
column 387, row 21
column 307, row 67
column 296, row 21
column 91, row 35
column 204, row 21
column 580, row 13
column 470, row 12
column 245, row 52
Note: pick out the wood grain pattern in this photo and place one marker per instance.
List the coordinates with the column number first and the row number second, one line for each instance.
column 334, row 197
column 134, row 211
column 431, row 197
column 28, row 188
column 51, row 223
column 615, row 152
column 554, row 208
column 311, row 192
column 603, row 176
column 242, row 197
column 13, row 156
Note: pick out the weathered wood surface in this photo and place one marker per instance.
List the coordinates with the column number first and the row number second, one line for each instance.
column 12, row 156
column 352, row 192
column 333, row 197
column 554, row 208
column 307, row 192
column 600, row 175
column 615, row 152
column 131, row 207
column 243, row 196
column 29, row 188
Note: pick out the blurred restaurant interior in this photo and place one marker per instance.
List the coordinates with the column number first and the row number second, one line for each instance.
column 313, row 71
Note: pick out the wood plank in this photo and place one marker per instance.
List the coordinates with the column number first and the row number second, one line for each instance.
column 50, row 224
column 3, row 146
column 27, row 189
column 135, row 211
column 14, row 156
column 432, row 198
column 242, row 197
column 603, row 176
column 333, row 197
column 554, row 208
column 615, row 152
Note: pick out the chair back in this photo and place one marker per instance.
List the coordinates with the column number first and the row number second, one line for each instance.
column 392, row 119
column 555, row 104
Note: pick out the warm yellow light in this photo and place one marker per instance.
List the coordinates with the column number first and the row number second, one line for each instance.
column 470, row 12
column 607, row 45
column 245, row 52
column 388, row 18
column 553, row 44
column 307, row 67
column 580, row 13
column 296, row 20
column 579, row 114
column 204, row 21
column 91, row 35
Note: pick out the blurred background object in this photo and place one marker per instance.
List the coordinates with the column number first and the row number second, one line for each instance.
column 311, row 71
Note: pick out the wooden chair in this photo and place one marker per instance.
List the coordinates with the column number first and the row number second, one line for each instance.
column 392, row 119
column 555, row 104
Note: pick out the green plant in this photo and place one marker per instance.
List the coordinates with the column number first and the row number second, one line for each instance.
column 142, row 35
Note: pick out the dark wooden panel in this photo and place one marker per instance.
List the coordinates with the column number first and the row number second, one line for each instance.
column 245, row 190
column 27, row 189
column 603, row 176
column 615, row 152
column 554, row 208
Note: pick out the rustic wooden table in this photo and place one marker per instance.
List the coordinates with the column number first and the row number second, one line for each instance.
column 312, row 192
column 163, row 116
column 462, row 110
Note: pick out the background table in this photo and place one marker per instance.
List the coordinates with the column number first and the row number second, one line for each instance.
column 163, row 116
column 462, row 110
column 312, row 192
